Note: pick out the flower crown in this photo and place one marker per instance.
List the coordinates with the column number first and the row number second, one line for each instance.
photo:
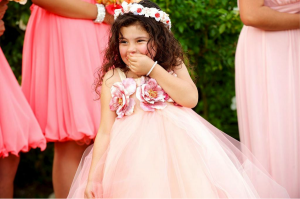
column 138, row 9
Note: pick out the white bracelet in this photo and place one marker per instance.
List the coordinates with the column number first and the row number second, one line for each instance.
column 101, row 13
column 151, row 68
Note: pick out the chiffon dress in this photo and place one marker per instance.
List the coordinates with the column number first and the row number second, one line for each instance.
column 60, row 59
column 19, row 129
column 268, row 97
column 172, row 153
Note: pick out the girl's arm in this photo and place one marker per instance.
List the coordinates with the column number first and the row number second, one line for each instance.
column 254, row 13
column 181, row 89
column 77, row 9
column 103, row 135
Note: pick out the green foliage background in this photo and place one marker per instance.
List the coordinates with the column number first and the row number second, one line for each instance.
column 208, row 31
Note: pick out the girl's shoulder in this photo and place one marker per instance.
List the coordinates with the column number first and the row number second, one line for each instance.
column 112, row 76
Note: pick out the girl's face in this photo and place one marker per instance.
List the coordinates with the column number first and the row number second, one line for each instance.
column 134, row 39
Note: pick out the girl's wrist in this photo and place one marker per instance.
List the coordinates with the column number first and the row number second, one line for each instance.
column 151, row 69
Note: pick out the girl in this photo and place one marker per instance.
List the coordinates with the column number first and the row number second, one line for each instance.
column 149, row 146
column 19, row 130
column 268, row 87
column 62, row 49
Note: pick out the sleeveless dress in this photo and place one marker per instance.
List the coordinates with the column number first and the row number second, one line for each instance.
column 19, row 130
column 268, row 97
column 169, row 152
column 60, row 59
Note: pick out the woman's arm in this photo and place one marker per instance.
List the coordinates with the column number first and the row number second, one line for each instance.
column 181, row 89
column 103, row 135
column 77, row 9
column 254, row 13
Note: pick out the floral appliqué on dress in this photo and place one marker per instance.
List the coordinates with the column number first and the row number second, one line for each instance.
column 120, row 102
column 149, row 93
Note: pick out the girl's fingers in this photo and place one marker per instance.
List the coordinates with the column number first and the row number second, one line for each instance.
column 132, row 59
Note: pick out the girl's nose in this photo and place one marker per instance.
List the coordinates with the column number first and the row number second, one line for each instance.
column 131, row 49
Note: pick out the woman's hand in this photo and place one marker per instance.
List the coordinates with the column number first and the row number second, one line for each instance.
column 93, row 190
column 140, row 64
column 109, row 19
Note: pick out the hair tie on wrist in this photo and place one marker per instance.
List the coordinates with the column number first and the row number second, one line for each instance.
column 101, row 13
column 151, row 68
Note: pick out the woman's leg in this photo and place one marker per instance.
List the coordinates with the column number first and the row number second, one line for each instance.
column 8, row 170
column 67, row 156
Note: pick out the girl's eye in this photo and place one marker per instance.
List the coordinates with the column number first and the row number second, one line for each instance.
column 140, row 40
column 122, row 42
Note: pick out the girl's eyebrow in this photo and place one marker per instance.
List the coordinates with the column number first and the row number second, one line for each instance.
column 135, row 38
column 141, row 38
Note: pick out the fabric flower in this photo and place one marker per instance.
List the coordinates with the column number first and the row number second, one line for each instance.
column 151, row 95
column 120, row 102
column 137, row 9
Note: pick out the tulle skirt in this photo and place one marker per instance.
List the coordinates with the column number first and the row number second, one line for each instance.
column 19, row 130
column 60, row 59
column 173, row 153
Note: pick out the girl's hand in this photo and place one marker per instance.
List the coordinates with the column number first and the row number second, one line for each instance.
column 139, row 64
column 93, row 190
column 3, row 8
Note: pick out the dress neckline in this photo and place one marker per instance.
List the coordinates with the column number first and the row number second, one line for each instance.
column 123, row 76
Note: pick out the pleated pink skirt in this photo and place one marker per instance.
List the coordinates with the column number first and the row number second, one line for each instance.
column 61, row 57
column 19, row 130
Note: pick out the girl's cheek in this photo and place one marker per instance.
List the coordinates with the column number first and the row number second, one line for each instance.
column 143, row 50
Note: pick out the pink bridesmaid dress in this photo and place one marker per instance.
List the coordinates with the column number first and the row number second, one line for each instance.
column 60, row 57
column 19, row 130
column 268, row 97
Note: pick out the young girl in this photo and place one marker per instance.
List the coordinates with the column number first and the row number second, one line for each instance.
column 19, row 130
column 149, row 146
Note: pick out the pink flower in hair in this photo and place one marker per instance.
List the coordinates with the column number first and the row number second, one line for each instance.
column 151, row 95
column 120, row 102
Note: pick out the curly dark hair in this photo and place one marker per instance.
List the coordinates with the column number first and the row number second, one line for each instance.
column 169, row 53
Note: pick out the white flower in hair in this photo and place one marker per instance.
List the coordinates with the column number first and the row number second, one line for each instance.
column 117, row 13
column 126, row 7
column 138, row 9
column 147, row 12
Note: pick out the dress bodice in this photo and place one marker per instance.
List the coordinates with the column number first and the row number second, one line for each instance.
column 131, row 95
column 288, row 6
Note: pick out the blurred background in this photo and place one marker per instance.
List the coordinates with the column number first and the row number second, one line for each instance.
column 208, row 31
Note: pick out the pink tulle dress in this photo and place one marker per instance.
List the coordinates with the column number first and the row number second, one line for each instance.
column 162, row 150
column 268, row 97
column 60, row 59
column 19, row 130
